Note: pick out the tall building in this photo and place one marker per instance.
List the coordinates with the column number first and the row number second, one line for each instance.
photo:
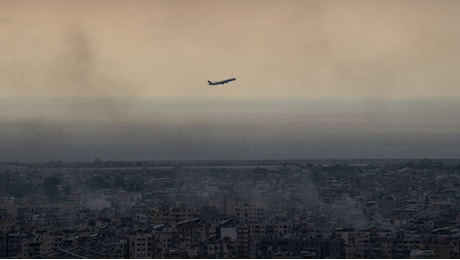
column 243, row 241
column 141, row 245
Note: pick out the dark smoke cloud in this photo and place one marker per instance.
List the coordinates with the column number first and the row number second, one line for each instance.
column 153, row 129
column 77, row 68
column 38, row 128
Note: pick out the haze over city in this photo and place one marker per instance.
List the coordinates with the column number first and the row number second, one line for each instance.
column 127, row 80
column 229, row 129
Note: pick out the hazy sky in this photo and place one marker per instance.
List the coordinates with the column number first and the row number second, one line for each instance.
column 72, row 129
column 275, row 48
column 315, row 79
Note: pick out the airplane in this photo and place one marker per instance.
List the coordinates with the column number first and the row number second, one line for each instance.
column 220, row 82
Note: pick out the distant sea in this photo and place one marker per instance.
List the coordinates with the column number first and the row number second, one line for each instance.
column 82, row 129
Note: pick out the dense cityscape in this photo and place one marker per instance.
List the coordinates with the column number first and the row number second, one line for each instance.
column 231, row 209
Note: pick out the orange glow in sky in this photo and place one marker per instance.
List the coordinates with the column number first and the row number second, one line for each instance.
column 274, row 48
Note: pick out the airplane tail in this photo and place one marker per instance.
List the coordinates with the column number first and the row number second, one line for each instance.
column 210, row 83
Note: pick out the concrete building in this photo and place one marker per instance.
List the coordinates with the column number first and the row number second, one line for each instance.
column 141, row 245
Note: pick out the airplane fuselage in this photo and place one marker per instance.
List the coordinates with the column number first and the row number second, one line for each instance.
column 220, row 82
